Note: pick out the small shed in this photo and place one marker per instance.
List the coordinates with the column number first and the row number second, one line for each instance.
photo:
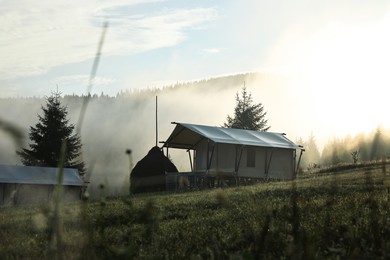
column 21, row 185
column 228, row 152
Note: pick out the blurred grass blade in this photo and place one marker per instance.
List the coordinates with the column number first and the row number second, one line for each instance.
column 13, row 131
column 92, row 77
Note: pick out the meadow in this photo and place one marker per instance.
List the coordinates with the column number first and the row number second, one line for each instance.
column 332, row 216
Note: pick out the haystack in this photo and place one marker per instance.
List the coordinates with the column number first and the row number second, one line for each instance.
column 148, row 174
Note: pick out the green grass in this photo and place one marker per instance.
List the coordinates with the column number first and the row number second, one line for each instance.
column 333, row 216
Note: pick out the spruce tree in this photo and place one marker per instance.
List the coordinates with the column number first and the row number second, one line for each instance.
column 47, row 136
column 247, row 115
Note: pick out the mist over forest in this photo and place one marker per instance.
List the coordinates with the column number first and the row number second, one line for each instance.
column 363, row 147
column 127, row 121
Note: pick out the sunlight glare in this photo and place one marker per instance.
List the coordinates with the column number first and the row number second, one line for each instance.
column 344, row 76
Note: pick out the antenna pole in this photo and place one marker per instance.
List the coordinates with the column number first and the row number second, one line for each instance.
column 156, row 123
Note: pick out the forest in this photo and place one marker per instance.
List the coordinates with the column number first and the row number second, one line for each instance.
column 363, row 147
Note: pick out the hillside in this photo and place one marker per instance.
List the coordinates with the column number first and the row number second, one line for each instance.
column 114, row 124
column 333, row 216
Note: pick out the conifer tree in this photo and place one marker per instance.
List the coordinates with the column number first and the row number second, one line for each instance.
column 247, row 115
column 47, row 136
column 312, row 153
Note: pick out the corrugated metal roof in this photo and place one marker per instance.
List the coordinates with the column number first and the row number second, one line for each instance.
column 186, row 136
column 38, row 175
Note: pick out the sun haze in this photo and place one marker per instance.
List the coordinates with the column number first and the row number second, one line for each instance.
column 340, row 68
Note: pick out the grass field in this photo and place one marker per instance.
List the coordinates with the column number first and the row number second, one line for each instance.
column 344, row 215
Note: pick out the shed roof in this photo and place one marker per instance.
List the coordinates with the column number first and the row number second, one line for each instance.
column 186, row 136
column 38, row 175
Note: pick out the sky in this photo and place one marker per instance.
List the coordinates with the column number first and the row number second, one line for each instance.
column 336, row 53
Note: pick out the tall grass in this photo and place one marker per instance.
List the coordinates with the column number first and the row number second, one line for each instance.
column 337, row 216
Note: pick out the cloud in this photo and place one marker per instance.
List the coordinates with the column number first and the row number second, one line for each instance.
column 38, row 36
column 140, row 33
column 211, row 50
column 82, row 80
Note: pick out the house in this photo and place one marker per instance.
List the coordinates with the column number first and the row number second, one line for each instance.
column 36, row 185
column 236, row 153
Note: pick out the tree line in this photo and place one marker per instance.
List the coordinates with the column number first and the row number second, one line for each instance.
column 374, row 146
column 362, row 147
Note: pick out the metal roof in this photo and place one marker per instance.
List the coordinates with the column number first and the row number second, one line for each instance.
column 186, row 136
column 38, row 175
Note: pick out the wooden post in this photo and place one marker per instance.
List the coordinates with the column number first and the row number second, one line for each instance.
column 156, row 123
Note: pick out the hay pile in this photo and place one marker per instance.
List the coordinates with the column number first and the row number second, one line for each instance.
column 148, row 174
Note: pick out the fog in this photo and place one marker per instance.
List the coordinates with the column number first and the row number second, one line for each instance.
column 127, row 121
column 114, row 124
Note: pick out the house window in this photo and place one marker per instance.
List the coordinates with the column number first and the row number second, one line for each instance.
column 251, row 157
